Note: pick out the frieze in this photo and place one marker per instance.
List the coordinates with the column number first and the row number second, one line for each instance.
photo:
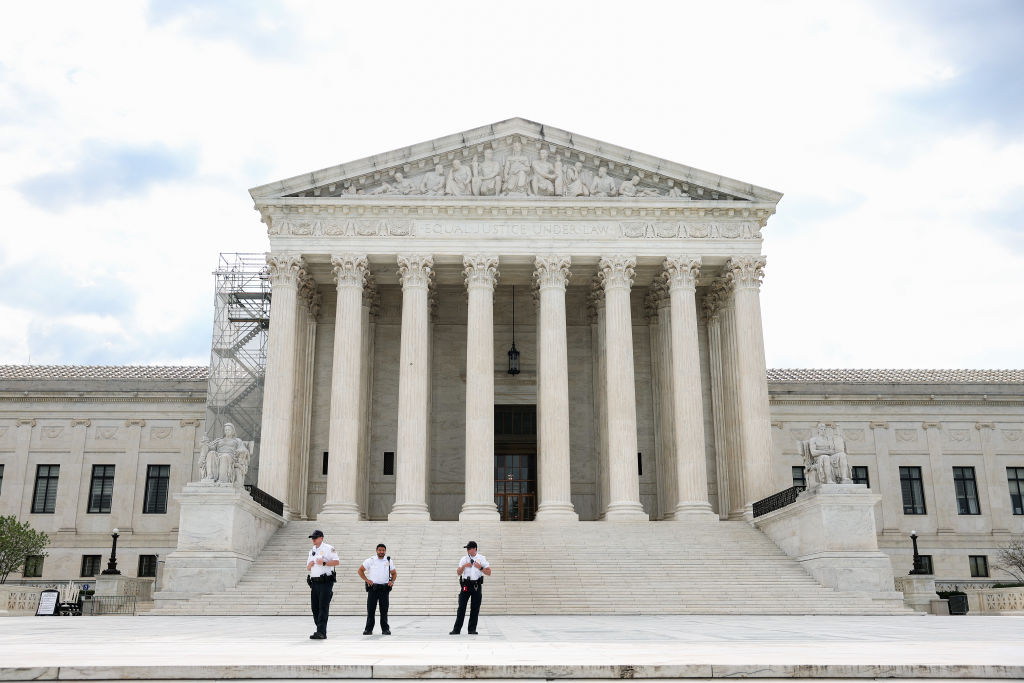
column 1013, row 434
column 398, row 227
column 906, row 435
column 52, row 432
column 160, row 432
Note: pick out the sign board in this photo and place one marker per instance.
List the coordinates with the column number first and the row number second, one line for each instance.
column 49, row 603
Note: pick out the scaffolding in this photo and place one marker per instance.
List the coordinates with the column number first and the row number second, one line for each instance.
column 238, row 354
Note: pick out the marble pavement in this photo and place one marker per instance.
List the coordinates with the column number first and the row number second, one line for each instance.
column 548, row 647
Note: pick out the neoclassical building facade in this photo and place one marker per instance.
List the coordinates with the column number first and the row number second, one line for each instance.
column 628, row 287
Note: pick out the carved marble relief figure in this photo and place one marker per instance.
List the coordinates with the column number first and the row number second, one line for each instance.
column 515, row 180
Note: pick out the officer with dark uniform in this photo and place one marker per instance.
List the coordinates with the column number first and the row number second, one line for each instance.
column 473, row 567
column 320, row 564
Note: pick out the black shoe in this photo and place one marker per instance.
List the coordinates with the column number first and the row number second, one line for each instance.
column 472, row 633
column 318, row 636
column 367, row 633
column 453, row 633
column 386, row 633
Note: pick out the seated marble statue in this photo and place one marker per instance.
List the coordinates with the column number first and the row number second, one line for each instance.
column 225, row 460
column 825, row 457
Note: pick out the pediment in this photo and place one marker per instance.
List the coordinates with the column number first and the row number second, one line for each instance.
column 512, row 159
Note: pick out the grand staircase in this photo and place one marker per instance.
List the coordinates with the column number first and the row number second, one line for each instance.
column 700, row 567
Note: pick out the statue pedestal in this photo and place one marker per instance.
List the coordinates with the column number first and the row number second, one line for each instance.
column 220, row 533
column 919, row 592
column 830, row 531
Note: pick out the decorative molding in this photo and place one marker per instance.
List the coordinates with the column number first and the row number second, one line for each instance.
column 81, row 422
column 681, row 272
column 285, row 269
column 778, row 425
column 958, row 434
column 1013, row 434
column 984, row 425
column 309, row 295
column 878, row 424
column 617, row 271
column 188, row 423
column 52, row 432
column 30, row 421
column 350, row 270
column 745, row 272
column 160, row 432
column 854, row 434
column 931, row 425
column 906, row 435
column 480, row 271
column 415, row 270
column 135, row 423
column 552, row 271
column 106, row 433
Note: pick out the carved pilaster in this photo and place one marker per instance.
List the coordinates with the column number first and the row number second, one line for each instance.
column 552, row 271
column 480, row 271
column 681, row 272
column 745, row 271
column 415, row 270
column 616, row 272
column 285, row 269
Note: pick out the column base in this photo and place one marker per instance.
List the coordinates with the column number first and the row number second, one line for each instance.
column 617, row 512
column 695, row 510
column 339, row 512
column 409, row 511
column 556, row 512
column 484, row 512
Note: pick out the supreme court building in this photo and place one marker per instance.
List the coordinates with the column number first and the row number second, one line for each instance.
column 511, row 323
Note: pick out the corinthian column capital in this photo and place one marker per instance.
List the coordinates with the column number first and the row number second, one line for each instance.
column 285, row 269
column 711, row 304
column 415, row 270
column 552, row 271
column 681, row 272
column 309, row 295
column 350, row 270
column 745, row 272
column 480, row 271
column 616, row 272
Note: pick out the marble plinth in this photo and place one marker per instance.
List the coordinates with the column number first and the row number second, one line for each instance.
column 919, row 592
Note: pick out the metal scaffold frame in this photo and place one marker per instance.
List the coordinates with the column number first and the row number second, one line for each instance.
column 238, row 353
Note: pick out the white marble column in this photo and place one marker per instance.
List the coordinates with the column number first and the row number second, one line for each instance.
column 623, row 481
column 279, row 382
column 687, row 397
column 660, row 327
column 712, row 313
column 366, row 393
column 746, row 273
column 551, row 275
column 730, row 401
column 415, row 272
column 342, row 501
column 597, row 329
column 481, row 274
column 298, row 466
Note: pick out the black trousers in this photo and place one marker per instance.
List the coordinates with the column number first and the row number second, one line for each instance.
column 474, row 597
column 377, row 596
column 320, row 600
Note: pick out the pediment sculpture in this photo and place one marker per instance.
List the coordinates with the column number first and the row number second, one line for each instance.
column 519, row 170
column 825, row 458
column 225, row 461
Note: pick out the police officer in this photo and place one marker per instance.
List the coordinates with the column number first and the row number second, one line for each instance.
column 473, row 567
column 321, row 563
column 378, row 587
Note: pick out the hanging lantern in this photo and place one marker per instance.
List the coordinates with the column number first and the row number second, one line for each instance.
column 513, row 354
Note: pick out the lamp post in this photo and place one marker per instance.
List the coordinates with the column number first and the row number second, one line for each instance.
column 513, row 353
column 918, row 568
column 112, row 563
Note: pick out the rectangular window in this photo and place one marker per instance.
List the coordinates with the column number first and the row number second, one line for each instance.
column 640, row 464
column 1, row 478
column 44, row 499
column 325, row 464
column 33, row 567
column 90, row 565
column 1015, row 477
column 913, row 491
column 158, row 481
column 389, row 463
column 966, row 491
column 979, row 565
column 147, row 565
column 926, row 564
column 860, row 475
column 102, row 490
column 799, row 477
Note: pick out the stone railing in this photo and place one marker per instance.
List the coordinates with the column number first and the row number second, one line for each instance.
column 16, row 601
column 996, row 600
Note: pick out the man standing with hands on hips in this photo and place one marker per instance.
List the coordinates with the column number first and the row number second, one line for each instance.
column 378, row 587
column 321, row 563
column 473, row 567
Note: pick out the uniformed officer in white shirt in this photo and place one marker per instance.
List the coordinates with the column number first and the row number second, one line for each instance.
column 473, row 567
column 320, row 564
column 381, row 578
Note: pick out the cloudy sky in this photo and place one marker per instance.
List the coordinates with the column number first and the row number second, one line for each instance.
column 131, row 131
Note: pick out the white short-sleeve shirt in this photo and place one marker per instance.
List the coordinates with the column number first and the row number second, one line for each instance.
column 326, row 553
column 377, row 570
column 473, row 573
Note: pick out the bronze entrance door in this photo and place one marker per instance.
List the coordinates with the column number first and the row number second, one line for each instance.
column 515, row 462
